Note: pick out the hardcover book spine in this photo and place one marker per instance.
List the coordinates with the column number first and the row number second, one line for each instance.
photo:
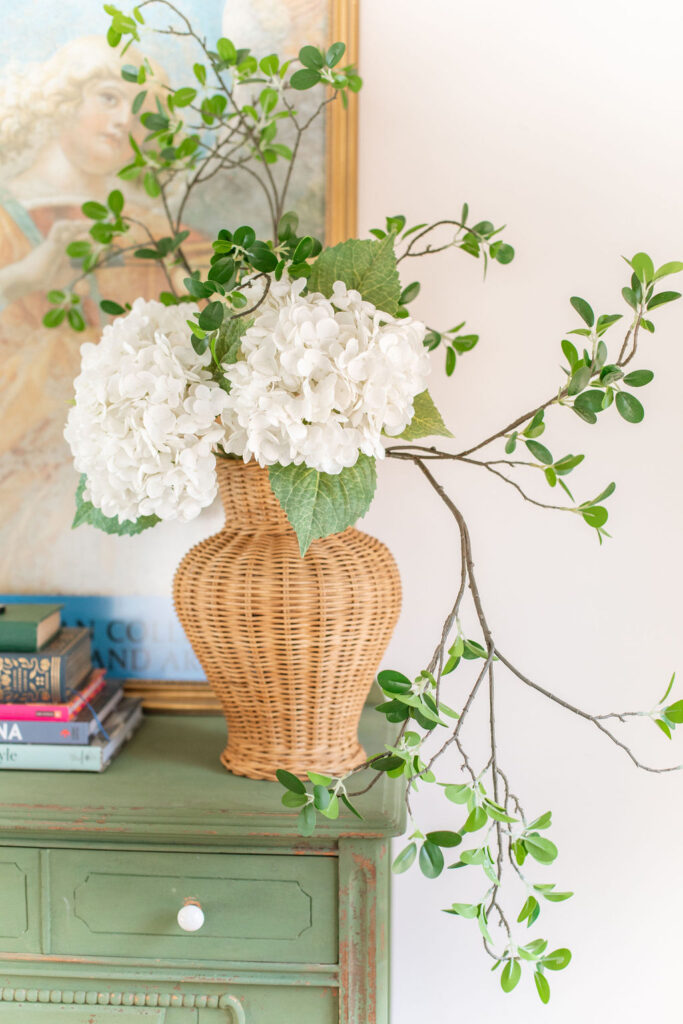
column 31, row 678
column 50, row 758
column 54, row 712
column 62, row 733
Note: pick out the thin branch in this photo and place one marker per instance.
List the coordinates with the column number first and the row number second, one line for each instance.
column 588, row 717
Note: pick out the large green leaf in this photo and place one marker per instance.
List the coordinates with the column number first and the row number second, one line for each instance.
column 367, row 266
column 87, row 513
column 318, row 504
column 427, row 420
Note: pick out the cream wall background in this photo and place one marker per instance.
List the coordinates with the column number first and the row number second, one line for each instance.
column 562, row 120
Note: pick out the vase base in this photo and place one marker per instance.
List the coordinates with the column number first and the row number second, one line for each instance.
column 249, row 764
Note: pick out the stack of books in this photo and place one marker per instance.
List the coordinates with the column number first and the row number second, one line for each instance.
column 57, row 712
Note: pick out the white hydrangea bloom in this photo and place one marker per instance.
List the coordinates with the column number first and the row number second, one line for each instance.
column 320, row 379
column 144, row 423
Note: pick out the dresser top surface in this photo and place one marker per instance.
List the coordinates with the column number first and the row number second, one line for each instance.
column 168, row 785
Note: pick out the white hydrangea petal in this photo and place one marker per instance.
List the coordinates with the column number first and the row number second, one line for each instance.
column 144, row 422
column 319, row 379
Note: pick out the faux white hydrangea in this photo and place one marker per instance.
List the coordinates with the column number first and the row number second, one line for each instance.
column 320, row 379
column 144, row 423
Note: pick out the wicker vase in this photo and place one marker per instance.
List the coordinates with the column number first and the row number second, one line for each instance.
column 290, row 645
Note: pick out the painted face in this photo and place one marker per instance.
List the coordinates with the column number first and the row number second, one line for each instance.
column 96, row 136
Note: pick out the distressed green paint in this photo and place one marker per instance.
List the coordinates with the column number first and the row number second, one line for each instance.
column 104, row 901
column 364, row 875
column 94, row 868
column 19, row 900
column 168, row 783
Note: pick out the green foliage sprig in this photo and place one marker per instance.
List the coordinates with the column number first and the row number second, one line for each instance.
column 228, row 120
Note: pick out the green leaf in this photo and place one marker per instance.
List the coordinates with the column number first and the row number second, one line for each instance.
column 392, row 681
column 76, row 320
column 444, row 838
column 511, row 443
column 306, row 820
column 595, row 516
column 334, row 54
column 152, row 186
column 662, row 298
column 404, row 859
column 579, row 380
column 332, row 809
column 426, row 421
column 367, row 266
column 530, row 906
column 570, row 353
column 674, row 712
column 112, row 308
column 345, row 800
column 306, row 78
column 319, row 780
column 663, row 726
column 504, row 253
column 630, row 297
column 431, row 860
column 290, row 782
column 467, row 910
column 512, row 972
column 54, row 317
column 557, row 960
column 589, row 401
column 540, row 848
column 321, row 797
column 450, row 361
column 86, row 513
column 78, row 250
column 115, row 201
column 311, row 57
column 557, row 897
column 458, row 794
column 183, row 97
column 294, row 799
column 567, row 464
column 669, row 688
column 476, row 819
column 542, row 987
column 544, row 821
column 96, row 211
column 629, row 407
column 318, row 504
column 409, row 293
column 675, row 267
column 387, row 763
column 211, row 317
column 583, row 309
column 540, row 452
column 497, row 813
column 138, row 101
column 643, row 267
column 638, row 378
column 226, row 50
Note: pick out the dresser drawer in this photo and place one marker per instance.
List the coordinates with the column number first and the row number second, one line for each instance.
column 19, row 900
column 265, row 908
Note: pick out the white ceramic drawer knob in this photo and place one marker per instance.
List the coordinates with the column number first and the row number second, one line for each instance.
column 191, row 916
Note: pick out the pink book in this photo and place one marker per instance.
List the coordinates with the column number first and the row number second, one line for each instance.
column 57, row 712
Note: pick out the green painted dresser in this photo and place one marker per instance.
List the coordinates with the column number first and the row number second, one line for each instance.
column 95, row 868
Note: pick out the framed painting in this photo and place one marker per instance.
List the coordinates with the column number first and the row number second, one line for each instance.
column 65, row 122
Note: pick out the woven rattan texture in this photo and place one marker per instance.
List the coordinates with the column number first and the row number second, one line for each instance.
column 290, row 645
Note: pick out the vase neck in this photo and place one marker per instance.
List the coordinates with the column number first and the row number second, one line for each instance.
column 248, row 501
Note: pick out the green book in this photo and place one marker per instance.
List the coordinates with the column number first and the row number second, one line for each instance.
column 28, row 627
column 90, row 757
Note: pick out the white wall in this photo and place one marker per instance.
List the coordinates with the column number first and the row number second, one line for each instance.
column 562, row 120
